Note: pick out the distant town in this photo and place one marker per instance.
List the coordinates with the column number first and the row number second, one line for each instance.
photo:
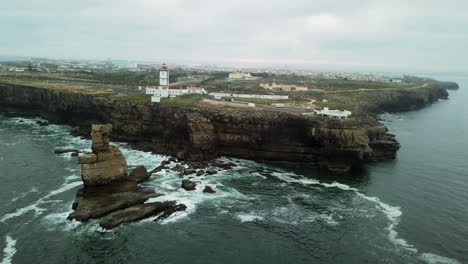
column 322, row 94
column 52, row 66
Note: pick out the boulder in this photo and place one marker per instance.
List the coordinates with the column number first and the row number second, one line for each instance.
column 139, row 174
column 179, row 168
column 200, row 172
column 208, row 189
column 188, row 185
column 105, row 164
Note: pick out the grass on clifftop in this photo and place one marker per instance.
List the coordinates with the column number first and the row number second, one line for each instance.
column 179, row 101
column 184, row 100
column 74, row 88
column 269, row 102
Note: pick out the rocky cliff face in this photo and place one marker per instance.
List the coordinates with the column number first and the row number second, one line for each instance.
column 410, row 99
column 204, row 132
column 105, row 164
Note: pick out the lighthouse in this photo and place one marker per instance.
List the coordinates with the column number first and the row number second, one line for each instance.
column 164, row 76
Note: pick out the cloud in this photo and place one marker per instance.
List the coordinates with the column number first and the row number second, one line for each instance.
column 395, row 35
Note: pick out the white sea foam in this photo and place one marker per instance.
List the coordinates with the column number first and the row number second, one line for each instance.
column 36, row 205
column 249, row 217
column 9, row 250
column 33, row 190
column 393, row 213
column 63, row 188
column 32, row 207
column 436, row 259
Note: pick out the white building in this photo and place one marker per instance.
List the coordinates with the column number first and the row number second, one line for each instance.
column 239, row 76
column 158, row 91
column 333, row 113
column 164, row 90
column 196, row 90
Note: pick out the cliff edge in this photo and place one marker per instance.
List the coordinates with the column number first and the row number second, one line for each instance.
column 202, row 132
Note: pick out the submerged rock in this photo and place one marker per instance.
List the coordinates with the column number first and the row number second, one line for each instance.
column 105, row 164
column 62, row 151
column 188, row 185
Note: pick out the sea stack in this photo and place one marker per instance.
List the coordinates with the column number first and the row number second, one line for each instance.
column 105, row 164
column 111, row 193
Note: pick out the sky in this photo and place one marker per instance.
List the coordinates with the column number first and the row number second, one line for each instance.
column 390, row 35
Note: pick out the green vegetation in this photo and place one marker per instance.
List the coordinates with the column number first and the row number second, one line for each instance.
column 335, row 105
column 134, row 98
column 184, row 100
column 340, row 85
column 269, row 102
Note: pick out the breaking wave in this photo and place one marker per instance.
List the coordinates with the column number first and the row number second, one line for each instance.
column 392, row 213
column 9, row 250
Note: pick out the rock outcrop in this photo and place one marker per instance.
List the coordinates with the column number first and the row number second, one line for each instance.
column 109, row 191
column 105, row 164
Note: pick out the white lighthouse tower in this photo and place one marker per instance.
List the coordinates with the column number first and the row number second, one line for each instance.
column 164, row 76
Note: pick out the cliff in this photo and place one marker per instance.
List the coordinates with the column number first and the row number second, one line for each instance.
column 203, row 132
column 408, row 99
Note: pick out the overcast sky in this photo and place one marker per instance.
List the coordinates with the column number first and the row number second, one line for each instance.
column 399, row 35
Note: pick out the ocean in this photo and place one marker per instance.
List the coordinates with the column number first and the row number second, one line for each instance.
column 410, row 210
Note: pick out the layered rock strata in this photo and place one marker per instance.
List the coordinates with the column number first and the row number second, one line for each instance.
column 109, row 191
column 105, row 164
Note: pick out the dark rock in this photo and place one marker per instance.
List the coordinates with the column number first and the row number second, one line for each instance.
column 208, row 189
column 74, row 154
column 158, row 169
column 188, row 185
column 170, row 210
column 101, row 201
column 61, row 151
column 224, row 166
column 165, row 162
column 42, row 123
column 139, row 174
column 200, row 172
column 179, row 168
column 189, row 171
column 141, row 211
column 211, row 172
column 172, row 159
